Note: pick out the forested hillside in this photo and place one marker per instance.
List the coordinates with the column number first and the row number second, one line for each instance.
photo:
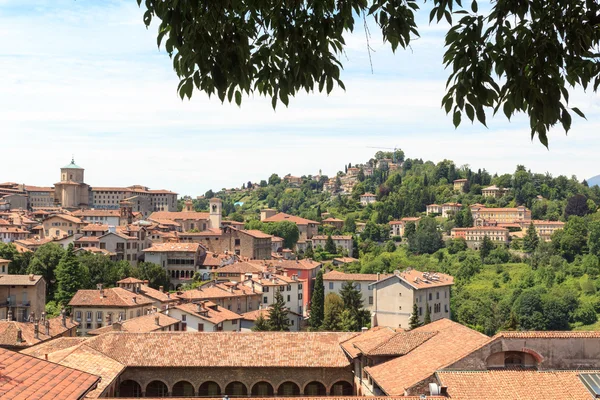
column 531, row 284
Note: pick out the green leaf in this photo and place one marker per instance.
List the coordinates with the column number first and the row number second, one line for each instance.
column 283, row 96
column 566, row 120
column 578, row 112
column 474, row 6
column 456, row 119
column 470, row 111
column 481, row 115
column 238, row 98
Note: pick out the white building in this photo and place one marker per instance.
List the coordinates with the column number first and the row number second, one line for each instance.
column 291, row 289
column 335, row 280
column 205, row 316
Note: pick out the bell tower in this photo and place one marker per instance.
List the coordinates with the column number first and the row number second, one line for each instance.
column 216, row 207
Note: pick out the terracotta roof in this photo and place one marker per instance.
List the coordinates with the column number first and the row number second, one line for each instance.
column 143, row 324
column 452, row 341
column 460, row 180
column 515, row 385
column 66, row 217
column 548, row 334
column 367, row 195
column 401, row 343
column 26, row 377
column 160, row 191
column 373, row 337
column 95, row 228
column 214, row 349
column 130, row 280
column 209, row 311
column 214, row 259
column 156, row 294
column 51, row 346
column 240, row 268
column 92, row 239
column 2, row 260
column 173, row 247
column 253, row 315
column 305, row 264
column 276, row 239
column 334, row 237
column 217, row 291
column 342, row 276
column 8, row 331
column 113, row 297
column 256, row 233
column 331, row 219
column 279, row 217
column 541, row 222
column 346, row 260
column 421, row 280
column 179, row 215
column 19, row 280
column 97, row 213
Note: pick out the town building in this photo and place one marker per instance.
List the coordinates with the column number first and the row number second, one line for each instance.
column 233, row 296
column 251, row 244
column 35, row 330
column 103, row 217
column 394, row 296
column 306, row 227
column 399, row 226
column 295, row 320
column 459, row 184
column 484, row 215
column 544, row 229
column 71, row 192
column 205, row 316
column 294, row 181
column 367, row 198
column 434, row 209
column 333, row 281
column 474, row 236
column 9, row 234
column 344, row 242
column 59, row 226
column 238, row 272
column 290, row 287
column 93, row 309
column 161, row 300
column 21, row 295
column 180, row 260
column 494, row 191
column 39, row 197
column 445, row 210
column 335, row 222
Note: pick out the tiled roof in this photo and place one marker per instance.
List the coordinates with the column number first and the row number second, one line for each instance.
column 19, row 280
column 401, row 343
column 342, row 276
column 26, row 377
column 548, row 334
column 113, row 297
column 305, row 264
column 8, row 331
column 331, row 219
column 256, row 234
column 279, row 217
column 214, row 259
column 130, row 280
column 156, row 294
column 92, row 239
column 172, row 247
column 515, row 385
column 51, row 346
column 209, row 311
column 218, row 291
column 367, row 340
column 421, row 280
column 95, row 228
column 346, row 259
column 179, row 215
column 3, row 261
column 97, row 213
column 452, row 341
column 241, row 268
column 66, row 217
column 145, row 323
column 334, row 237
column 214, row 349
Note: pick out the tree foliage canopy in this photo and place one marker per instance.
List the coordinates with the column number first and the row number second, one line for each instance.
column 520, row 56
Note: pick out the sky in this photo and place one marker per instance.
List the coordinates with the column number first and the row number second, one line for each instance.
column 85, row 79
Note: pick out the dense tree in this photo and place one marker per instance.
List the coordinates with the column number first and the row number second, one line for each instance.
column 334, row 305
column 594, row 238
column 209, row 194
column 571, row 240
column 352, row 299
column 317, row 303
column 414, row 322
column 577, row 205
column 274, row 179
column 309, row 251
column 531, row 239
column 44, row 263
column 278, row 314
column 456, row 245
column 427, row 238
column 485, row 248
column 261, row 324
column 19, row 262
column 155, row 274
column 350, row 224
column 70, row 277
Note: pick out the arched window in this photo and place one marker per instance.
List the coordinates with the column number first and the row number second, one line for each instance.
column 183, row 389
column 209, row 389
column 236, row 389
column 342, row 388
column 262, row 389
column 288, row 389
column 157, row 389
column 315, row 389
column 513, row 360
column 129, row 388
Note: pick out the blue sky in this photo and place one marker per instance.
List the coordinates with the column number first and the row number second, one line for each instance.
column 85, row 77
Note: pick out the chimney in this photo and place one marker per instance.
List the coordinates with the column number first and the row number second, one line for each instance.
column 31, row 277
column 36, row 330
column 199, row 307
column 101, row 290
column 157, row 320
column 43, row 319
column 19, row 336
column 63, row 314
column 46, row 357
column 146, row 281
column 10, row 315
column 161, row 288
column 116, row 326
column 135, row 300
column 47, row 325
column 364, row 329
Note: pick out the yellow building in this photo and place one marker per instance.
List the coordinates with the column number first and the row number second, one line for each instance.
column 459, row 184
column 71, row 192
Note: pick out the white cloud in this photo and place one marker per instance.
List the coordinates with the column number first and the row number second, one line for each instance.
column 88, row 79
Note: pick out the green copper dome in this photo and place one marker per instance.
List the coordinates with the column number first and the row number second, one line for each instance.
column 72, row 165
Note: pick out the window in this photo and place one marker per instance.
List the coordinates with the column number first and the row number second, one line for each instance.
column 88, row 325
column 289, row 287
column 330, row 285
column 200, row 327
column 299, row 286
column 88, row 316
column 265, row 300
column 370, row 299
column 130, row 314
column 78, row 315
column 299, row 296
column 289, row 298
column 437, row 295
column 184, row 317
column 420, row 310
column 446, row 308
column 237, row 242
column 139, row 313
column 122, row 316
column 184, row 326
column 430, row 296
column 234, row 322
column 99, row 316
column 357, row 286
column 266, row 289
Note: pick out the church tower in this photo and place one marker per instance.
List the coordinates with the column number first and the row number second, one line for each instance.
column 71, row 192
column 216, row 207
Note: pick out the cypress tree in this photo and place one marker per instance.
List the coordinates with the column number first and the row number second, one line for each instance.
column 70, row 276
column 330, row 245
column 427, row 319
column 531, row 239
column 317, row 303
column 261, row 324
column 278, row 314
column 414, row 322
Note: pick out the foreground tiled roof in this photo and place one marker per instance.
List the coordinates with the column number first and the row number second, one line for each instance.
column 256, row 234
column 217, row 291
column 51, row 346
column 548, row 334
column 401, row 343
column 515, row 385
column 452, row 341
column 113, row 297
column 342, row 276
column 367, row 340
column 214, row 349
column 8, row 332
column 25, row 377
column 157, row 294
column 145, row 323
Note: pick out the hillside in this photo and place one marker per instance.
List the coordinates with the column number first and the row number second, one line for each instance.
column 594, row 181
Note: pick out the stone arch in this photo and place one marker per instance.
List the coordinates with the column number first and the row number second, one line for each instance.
column 342, row 388
column 157, row 388
column 288, row 388
column 129, row 388
column 236, row 389
column 315, row 388
column 513, row 359
column 262, row 389
column 209, row 389
column 183, row 389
